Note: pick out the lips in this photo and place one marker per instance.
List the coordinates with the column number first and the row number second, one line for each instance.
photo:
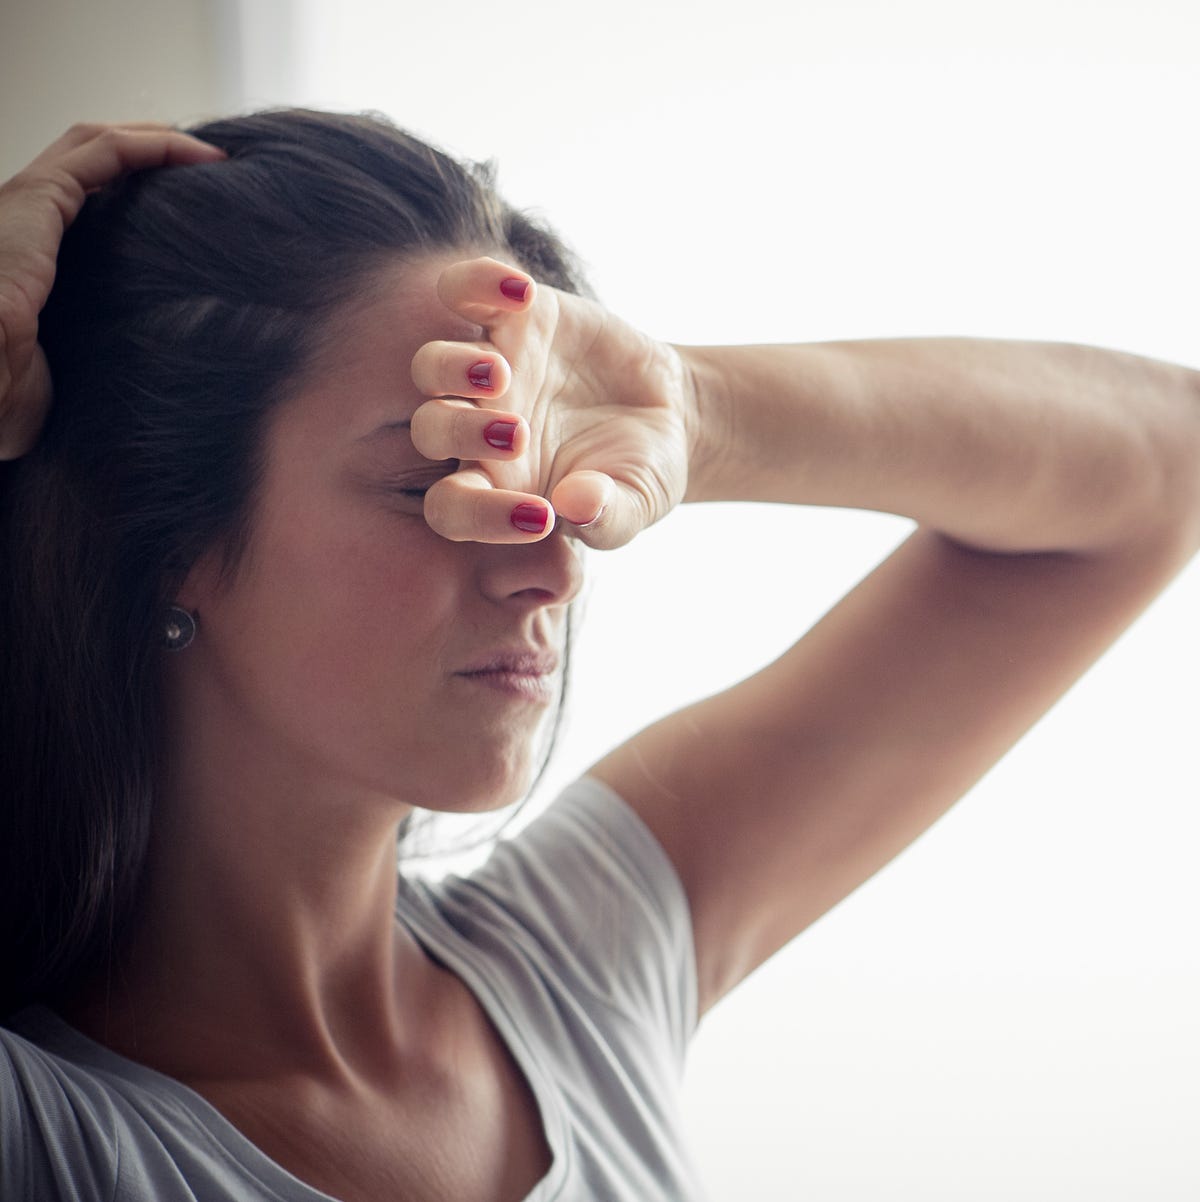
column 517, row 663
column 527, row 676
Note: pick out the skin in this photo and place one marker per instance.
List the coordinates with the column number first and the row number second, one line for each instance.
column 36, row 206
column 1056, row 490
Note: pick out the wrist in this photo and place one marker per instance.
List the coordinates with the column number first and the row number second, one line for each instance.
column 707, row 421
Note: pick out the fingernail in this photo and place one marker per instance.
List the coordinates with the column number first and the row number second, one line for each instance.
column 592, row 521
column 531, row 519
column 480, row 374
column 514, row 289
column 500, row 435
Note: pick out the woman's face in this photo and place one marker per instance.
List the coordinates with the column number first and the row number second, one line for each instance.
column 339, row 652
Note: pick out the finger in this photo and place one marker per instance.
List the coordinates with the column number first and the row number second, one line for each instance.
column 449, row 429
column 582, row 497
column 118, row 149
column 23, row 408
column 460, row 369
column 85, row 131
column 486, row 291
column 465, row 507
column 604, row 512
column 67, row 178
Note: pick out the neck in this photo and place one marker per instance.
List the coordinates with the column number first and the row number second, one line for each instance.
column 266, row 938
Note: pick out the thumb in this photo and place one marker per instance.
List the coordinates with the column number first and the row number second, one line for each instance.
column 604, row 513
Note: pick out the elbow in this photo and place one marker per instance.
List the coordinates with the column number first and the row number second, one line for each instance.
column 1168, row 510
column 1142, row 498
column 1181, row 499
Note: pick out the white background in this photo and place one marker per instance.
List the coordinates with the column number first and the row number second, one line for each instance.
column 1008, row 1011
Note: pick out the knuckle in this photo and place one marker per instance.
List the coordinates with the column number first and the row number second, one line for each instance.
column 50, row 185
column 112, row 135
column 463, row 424
column 36, row 178
column 83, row 130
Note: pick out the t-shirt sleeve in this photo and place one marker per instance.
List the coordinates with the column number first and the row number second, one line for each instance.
column 56, row 1138
column 12, row 1127
column 593, row 886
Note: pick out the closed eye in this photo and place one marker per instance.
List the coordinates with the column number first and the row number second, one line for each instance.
column 414, row 486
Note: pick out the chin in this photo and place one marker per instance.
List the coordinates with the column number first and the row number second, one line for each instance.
column 473, row 769
column 496, row 791
column 474, row 786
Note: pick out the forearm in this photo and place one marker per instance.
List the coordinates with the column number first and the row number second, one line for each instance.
column 1008, row 446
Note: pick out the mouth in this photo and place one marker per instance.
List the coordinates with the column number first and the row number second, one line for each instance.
column 527, row 675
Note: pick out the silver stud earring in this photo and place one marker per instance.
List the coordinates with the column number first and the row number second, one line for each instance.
column 179, row 628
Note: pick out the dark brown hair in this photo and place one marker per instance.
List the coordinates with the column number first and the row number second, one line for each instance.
column 186, row 301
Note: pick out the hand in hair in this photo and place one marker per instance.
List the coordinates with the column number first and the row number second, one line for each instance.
column 598, row 415
column 36, row 206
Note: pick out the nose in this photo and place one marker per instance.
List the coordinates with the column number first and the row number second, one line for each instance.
column 548, row 572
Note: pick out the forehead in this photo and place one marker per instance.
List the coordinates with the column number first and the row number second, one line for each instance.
column 361, row 378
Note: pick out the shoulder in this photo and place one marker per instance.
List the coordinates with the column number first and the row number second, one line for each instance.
column 591, row 849
column 586, row 896
column 575, row 935
column 57, row 1121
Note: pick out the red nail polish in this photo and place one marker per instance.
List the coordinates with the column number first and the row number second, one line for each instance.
column 500, row 435
column 514, row 289
column 480, row 374
column 531, row 519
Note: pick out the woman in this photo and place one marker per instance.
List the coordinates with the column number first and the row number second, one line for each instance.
column 293, row 557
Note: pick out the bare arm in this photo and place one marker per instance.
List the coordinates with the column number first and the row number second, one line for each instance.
column 1004, row 446
column 1057, row 490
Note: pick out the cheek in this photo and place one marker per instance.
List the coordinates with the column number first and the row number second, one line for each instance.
column 324, row 609
column 373, row 589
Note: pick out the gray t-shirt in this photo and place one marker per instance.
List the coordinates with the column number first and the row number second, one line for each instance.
column 574, row 935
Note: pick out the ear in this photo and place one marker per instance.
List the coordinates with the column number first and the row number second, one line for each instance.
column 201, row 582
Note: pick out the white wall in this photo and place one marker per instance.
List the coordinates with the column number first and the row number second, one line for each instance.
column 1008, row 1010
column 63, row 61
